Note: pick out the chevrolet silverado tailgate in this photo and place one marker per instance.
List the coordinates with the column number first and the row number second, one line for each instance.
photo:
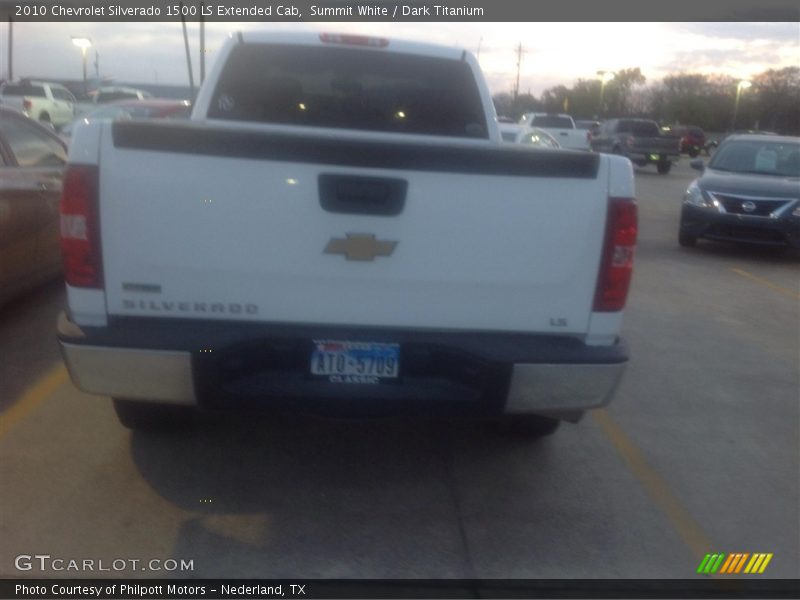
column 659, row 145
column 211, row 222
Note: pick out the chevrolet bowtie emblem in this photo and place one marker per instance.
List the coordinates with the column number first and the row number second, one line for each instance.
column 360, row 246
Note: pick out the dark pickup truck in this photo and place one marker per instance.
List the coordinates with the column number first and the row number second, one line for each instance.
column 640, row 140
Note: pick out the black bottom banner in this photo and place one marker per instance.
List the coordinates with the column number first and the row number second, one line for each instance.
column 155, row 589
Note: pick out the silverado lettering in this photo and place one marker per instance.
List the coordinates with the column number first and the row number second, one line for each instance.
column 214, row 307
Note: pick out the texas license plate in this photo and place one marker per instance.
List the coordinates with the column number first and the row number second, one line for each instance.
column 355, row 362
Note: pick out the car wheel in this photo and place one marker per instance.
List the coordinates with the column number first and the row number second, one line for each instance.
column 147, row 416
column 617, row 150
column 664, row 167
column 530, row 426
column 45, row 118
column 693, row 152
column 686, row 240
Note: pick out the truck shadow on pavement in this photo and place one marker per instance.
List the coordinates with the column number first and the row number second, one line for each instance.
column 288, row 496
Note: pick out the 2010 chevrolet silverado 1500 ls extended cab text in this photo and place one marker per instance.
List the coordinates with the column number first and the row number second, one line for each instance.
column 339, row 230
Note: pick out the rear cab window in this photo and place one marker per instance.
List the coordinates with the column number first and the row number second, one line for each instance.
column 644, row 129
column 552, row 122
column 112, row 96
column 36, row 91
column 349, row 88
column 62, row 94
column 623, row 127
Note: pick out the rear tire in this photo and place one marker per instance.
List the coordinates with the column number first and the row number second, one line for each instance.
column 693, row 152
column 45, row 118
column 530, row 426
column 148, row 416
column 686, row 240
column 663, row 167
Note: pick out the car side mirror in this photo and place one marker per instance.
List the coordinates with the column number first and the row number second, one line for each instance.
column 698, row 164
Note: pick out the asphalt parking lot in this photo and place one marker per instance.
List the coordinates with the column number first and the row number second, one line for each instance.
column 697, row 453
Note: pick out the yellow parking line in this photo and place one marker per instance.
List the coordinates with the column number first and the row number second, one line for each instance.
column 688, row 529
column 769, row 284
column 32, row 398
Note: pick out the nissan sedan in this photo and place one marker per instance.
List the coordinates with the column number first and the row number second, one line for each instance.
column 749, row 192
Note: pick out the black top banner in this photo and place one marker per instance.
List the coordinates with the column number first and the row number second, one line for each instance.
column 400, row 10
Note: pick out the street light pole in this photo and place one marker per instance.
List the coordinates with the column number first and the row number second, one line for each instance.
column 742, row 85
column 605, row 77
column 84, row 44
column 10, row 48
column 85, row 84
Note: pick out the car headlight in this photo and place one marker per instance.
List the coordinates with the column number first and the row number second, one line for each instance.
column 694, row 196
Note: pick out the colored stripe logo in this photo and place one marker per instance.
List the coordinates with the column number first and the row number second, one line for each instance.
column 735, row 563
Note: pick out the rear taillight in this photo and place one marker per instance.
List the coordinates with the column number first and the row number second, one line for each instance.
column 353, row 40
column 588, row 136
column 630, row 141
column 80, row 228
column 27, row 104
column 616, row 266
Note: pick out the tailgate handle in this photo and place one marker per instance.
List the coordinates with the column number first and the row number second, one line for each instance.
column 356, row 195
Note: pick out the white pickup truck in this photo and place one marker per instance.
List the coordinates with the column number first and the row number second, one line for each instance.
column 561, row 127
column 339, row 230
column 46, row 102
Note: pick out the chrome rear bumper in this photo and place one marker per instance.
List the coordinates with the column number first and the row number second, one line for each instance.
column 563, row 390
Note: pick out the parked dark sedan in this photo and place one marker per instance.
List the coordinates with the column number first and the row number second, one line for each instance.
column 32, row 162
column 750, row 192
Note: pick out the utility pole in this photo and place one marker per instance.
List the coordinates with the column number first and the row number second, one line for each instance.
column 605, row 77
column 202, row 43
column 188, row 56
column 519, row 63
column 10, row 49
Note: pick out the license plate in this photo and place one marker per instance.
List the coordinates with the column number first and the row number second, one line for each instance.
column 355, row 362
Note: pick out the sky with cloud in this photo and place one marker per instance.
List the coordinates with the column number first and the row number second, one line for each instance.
column 554, row 53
